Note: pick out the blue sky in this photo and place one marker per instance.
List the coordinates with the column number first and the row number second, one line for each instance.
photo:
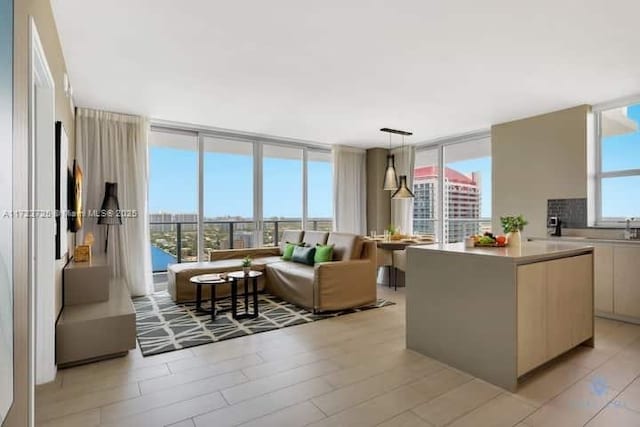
column 229, row 182
column 621, row 196
column 228, row 185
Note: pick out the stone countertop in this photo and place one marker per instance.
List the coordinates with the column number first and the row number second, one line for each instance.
column 527, row 253
column 585, row 240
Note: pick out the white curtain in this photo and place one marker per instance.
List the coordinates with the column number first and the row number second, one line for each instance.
column 349, row 190
column 113, row 148
column 402, row 209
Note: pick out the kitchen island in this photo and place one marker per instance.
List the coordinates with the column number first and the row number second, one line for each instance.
column 499, row 313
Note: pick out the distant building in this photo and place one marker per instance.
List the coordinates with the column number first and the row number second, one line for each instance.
column 462, row 201
column 161, row 218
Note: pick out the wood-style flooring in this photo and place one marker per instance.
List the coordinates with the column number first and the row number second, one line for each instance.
column 353, row 370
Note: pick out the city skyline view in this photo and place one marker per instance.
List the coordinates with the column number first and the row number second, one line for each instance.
column 168, row 194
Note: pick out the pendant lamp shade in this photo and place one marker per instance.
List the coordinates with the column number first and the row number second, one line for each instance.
column 390, row 178
column 403, row 191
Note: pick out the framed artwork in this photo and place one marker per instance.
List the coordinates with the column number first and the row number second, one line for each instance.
column 62, row 173
column 75, row 188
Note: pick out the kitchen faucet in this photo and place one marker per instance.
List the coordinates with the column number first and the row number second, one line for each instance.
column 630, row 234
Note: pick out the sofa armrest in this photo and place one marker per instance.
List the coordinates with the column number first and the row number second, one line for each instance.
column 221, row 254
column 344, row 284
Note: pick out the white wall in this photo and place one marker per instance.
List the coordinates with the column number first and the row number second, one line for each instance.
column 45, row 313
column 536, row 159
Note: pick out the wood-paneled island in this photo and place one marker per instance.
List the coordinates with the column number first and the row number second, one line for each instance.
column 499, row 313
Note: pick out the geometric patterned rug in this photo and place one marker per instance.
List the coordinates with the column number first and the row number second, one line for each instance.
column 163, row 325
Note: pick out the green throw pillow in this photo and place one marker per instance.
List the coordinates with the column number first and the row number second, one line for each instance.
column 287, row 253
column 324, row 253
column 304, row 255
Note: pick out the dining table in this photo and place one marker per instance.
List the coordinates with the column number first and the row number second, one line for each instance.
column 389, row 274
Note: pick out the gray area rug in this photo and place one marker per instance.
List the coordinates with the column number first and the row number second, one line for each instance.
column 163, row 325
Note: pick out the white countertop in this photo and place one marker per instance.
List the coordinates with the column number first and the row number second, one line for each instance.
column 586, row 240
column 528, row 252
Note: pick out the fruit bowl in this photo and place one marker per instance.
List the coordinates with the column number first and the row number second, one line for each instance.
column 490, row 245
column 488, row 240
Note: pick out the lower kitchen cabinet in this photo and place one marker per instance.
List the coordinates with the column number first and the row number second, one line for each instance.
column 603, row 271
column 555, row 308
column 626, row 280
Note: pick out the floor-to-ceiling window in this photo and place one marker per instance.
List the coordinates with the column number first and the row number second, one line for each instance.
column 320, row 191
column 425, row 189
column 467, row 189
column 281, row 191
column 452, row 185
column 248, row 191
column 228, row 194
column 173, row 197
column 617, row 171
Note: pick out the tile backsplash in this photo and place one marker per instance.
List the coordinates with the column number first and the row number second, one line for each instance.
column 572, row 212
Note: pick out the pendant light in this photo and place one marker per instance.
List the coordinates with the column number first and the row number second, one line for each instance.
column 390, row 178
column 403, row 191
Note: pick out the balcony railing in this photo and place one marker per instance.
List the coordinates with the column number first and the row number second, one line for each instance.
column 177, row 241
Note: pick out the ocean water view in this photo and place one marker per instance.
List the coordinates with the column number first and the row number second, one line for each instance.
column 160, row 259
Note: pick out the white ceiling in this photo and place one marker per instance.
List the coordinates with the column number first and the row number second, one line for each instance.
column 335, row 71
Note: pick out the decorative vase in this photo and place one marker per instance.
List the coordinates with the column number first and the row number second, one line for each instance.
column 246, row 270
column 514, row 239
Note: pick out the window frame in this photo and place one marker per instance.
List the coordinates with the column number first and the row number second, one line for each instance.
column 440, row 145
column 599, row 175
column 258, row 141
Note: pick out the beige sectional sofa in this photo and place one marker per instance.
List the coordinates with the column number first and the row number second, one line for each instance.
column 348, row 281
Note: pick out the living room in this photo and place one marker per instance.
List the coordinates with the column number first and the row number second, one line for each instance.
column 288, row 213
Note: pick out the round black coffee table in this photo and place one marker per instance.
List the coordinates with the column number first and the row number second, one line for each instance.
column 212, row 280
column 235, row 276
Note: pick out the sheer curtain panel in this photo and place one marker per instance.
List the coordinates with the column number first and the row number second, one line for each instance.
column 113, row 148
column 349, row 190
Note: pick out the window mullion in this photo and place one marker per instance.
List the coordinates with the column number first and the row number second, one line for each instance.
column 200, row 227
column 305, row 190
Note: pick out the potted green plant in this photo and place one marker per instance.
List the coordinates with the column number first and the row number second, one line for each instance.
column 246, row 264
column 512, row 226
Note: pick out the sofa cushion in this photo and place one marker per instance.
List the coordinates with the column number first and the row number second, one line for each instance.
column 266, row 260
column 324, row 253
column 346, row 246
column 304, row 255
column 291, row 236
column 287, row 253
column 312, row 238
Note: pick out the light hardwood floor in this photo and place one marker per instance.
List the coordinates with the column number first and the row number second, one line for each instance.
column 347, row 371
